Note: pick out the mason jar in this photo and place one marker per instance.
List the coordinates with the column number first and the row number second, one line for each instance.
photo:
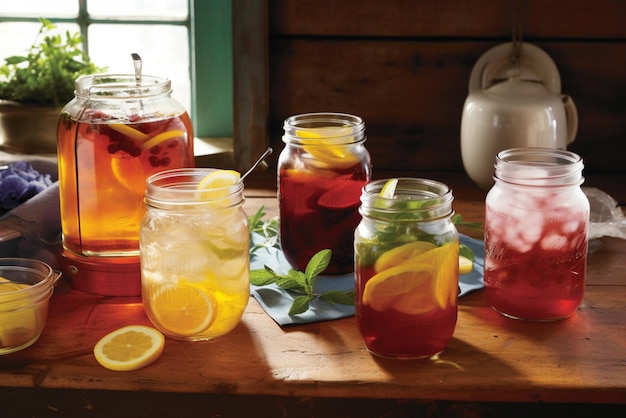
column 536, row 224
column 406, row 267
column 321, row 172
column 194, row 251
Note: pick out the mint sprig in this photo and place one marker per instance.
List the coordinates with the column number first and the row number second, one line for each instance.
column 298, row 282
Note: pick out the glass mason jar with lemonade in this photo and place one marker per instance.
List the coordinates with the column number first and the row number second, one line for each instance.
column 195, row 244
column 321, row 172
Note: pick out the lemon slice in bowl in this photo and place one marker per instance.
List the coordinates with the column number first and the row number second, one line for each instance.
column 215, row 184
column 129, row 348
column 184, row 309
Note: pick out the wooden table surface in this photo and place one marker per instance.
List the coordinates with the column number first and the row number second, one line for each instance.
column 321, row 369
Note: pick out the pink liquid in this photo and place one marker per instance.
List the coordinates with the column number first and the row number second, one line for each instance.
column 535, row 265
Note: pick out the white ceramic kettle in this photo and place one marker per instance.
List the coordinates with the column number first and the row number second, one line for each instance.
column 513, row 105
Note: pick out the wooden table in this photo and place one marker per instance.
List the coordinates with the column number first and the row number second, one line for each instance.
column 493, row 365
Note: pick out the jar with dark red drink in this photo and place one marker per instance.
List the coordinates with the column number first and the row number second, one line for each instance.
column 321, row 172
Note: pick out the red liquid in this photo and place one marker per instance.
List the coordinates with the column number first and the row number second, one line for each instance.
column 391, row 333
column 320, row 211
column 103, row 167
column 544, row 280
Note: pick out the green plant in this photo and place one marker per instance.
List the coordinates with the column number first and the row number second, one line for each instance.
column 46, row 75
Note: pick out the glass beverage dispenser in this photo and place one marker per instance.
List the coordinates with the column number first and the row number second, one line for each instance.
column 116, row 132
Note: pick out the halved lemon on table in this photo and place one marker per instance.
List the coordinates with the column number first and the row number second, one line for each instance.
column 129, row 348
column 184, row 309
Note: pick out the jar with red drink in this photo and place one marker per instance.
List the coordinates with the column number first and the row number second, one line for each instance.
column 406, row 268
column 321, row 172
column 536, row 224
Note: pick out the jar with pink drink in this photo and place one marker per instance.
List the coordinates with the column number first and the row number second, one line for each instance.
column 536, row 224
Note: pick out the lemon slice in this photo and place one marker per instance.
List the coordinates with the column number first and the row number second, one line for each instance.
column 465, row 265
column 447, row 282
column 184, row 309
column 215, row 184
column 162, row 137
column 129, row 348
column 406, row 288
column 18, row 322
column 130, row 132
column 402, row 254
column 320, row 143
column 389, row 189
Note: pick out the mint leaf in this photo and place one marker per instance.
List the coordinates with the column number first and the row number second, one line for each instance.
column 336, row 296
column 300, row 305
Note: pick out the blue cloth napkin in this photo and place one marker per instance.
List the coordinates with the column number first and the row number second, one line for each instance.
column 276, row 301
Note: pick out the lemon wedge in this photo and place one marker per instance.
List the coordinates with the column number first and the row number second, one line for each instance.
column 321, row 144
column 465, row 265
column 389, row 189
column 129, row 348
column 184, row 309
column 215, row 184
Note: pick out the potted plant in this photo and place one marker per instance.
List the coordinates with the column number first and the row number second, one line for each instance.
column 35, row 87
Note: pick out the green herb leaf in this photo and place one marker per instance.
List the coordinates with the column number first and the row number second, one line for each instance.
column 336, row 296
column 300, row 305
column 318, row 263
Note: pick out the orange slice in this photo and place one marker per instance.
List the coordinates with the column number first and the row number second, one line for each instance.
column 184, row 309
column 129, row 348
column 402, row 254
column 406, row 288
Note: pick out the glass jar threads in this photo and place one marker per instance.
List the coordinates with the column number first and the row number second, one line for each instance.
column 536, row 224
column 406, row 268
column 194, row 247
column 321, row 172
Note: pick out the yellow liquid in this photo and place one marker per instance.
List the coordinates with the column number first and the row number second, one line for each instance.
column 210, row 255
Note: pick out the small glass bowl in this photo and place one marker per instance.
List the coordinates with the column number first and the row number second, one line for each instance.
column 25, row 289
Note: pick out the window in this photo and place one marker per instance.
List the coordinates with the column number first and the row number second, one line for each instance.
column 188, row 41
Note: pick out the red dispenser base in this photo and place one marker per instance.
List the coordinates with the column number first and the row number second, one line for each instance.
column 109, row 276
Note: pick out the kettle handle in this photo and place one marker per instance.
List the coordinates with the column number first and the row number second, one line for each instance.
column 496, row 61
column 571, row 115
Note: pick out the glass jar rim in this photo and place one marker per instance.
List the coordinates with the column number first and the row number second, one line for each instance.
column 120, row 86
column 430, row 199
column 334, row 128
column 179, row 187
column 535, row 166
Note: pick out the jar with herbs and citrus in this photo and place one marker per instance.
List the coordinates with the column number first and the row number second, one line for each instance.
column 321, row 172
column 406, row 268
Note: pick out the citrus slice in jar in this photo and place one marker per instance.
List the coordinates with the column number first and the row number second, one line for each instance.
column 215, row 184
column 402, row 254
column 184, row 309
column 321, row 144
column 447, row 283
column 129, row 348
column 406, row 288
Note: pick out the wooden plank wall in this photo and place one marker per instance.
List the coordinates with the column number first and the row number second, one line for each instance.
column 404, row 66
